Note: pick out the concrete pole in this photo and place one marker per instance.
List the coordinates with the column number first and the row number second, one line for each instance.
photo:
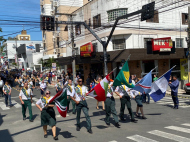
column 188, row 44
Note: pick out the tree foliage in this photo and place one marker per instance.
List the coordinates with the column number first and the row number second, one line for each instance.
column 2, row 40
column 48, row 63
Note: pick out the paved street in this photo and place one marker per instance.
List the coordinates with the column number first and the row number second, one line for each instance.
column 163, row 124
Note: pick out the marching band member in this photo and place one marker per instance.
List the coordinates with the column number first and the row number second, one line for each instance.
column 47, row 114
column 25, row 97
column 78, row 95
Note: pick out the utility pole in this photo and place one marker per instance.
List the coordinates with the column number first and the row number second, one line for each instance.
column 188, row 43
column 73, row 50
column 17, row 53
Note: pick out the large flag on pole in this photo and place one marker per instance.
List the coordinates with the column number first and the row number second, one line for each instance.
column 159, row 87
column 99, row 92
column 123, row 77
column 144, row 85
column 60, row 100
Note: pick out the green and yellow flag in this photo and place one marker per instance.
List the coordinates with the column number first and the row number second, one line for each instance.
column 123, row 77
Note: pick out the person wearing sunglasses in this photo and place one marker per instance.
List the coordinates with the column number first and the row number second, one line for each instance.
column 47, row 114
column 26, row 101
column 78, row 95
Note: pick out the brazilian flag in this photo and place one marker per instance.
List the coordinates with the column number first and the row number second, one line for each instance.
column 123, row 78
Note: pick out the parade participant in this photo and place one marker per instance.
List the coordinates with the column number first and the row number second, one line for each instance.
column 16, row 83
column 138, row 98
column 78, row 95
column 122, row 92
column 97, row 107
column 1, row 87
column 7, row 93
column 33, row 81
column 47, row 114
column 110, row 105
column 58, row 86
column 70, row 88
column 43, row 88
column 30, row 84
column 76, row 80
column 37, row 83
column 174, row 91
column 20, row 83
column 25, row 97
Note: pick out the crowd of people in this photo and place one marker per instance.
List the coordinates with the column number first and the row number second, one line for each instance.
column 76, row 94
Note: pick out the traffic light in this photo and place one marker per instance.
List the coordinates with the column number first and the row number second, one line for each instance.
column 47, row 23
column 148, row 11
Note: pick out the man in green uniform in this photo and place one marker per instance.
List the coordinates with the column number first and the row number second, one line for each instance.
column 121, row 91
column 70, row 88
column 78, row 95
column 26, row 101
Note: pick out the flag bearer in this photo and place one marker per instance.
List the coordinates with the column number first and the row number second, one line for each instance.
column 70, row 89
column 110, row 106
column 47, row 114
column 7, row 93
column 174, row 91
column 78, row 95
column 122, row 92
column 26, row 101
column 138, row 98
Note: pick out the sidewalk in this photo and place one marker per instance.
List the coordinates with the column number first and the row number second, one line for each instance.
column 181, row 93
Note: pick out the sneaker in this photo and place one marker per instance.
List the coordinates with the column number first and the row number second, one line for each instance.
column 31, row 120
column 108, row 124
column 74, row 112
column 78, row 128
column 143, row 117
column 121, row 118
column 90, row 131
column 134, row 120
column 24, row 118
column 117, row 125
column 55, row 138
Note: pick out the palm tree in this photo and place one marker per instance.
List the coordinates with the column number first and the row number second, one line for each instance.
column 48, row 63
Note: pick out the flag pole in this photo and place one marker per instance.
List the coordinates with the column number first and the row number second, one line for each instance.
column 129, row 57
column 154, row 68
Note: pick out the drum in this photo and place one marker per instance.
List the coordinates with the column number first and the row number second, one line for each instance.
column 1, row 84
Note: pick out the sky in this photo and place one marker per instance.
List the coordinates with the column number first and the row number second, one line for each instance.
column 20, row 10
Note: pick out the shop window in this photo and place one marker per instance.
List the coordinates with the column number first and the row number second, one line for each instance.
column 77, row 30
column 145, row 41
column 179, row 42
column 113, row 14
column 155, row 19
column 119, row 44
column 148, row 65
column 184, row 18
column 96, row 21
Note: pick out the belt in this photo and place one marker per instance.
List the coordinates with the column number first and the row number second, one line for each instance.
column 109, row 97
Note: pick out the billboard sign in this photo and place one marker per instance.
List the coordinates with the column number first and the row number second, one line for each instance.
column 162, row 44
column 86, row 50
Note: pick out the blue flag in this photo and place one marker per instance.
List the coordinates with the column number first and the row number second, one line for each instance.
column 159, row 87
column 144, row 85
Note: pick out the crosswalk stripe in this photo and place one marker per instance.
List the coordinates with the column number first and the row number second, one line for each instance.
column 184, row 106
column 113, row 141
column 169, row 136
column 181, row 129
column 57, row 116
column 3, row 106
column 17, row 105
column 35, row 99
column 138, row 138
column 186, row 124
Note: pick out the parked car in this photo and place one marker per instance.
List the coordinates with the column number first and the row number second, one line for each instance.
column 187, row 88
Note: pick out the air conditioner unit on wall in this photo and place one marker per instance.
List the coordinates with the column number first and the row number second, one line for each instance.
column 55, row 4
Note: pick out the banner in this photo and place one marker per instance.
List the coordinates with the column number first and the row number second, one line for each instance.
column 20, row 60
column 53, row 66
column 20, row 65
column 184, row 69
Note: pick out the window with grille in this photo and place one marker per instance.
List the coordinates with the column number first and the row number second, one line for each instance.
column 119, row 44
column 179, row 42
column 77, row 30
column 184, row 18
column 113, row 14
column 145, row 41
column 155, row 19
column 96, row 21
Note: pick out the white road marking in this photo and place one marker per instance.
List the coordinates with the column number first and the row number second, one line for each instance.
column 11, row 98
column 186, row 124
column 169, row 136
column 139, row 138
column 180, row 129
column 58, row 116
column 35, row 99
column 113, row 141
column 3, row 106
column 17, row 105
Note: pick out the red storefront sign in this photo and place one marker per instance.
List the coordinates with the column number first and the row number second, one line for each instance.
column 86, row 50
column 162, row 44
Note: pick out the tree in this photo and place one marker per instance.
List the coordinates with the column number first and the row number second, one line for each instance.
column 2, row 40
column 11, row 38
column 48, row 62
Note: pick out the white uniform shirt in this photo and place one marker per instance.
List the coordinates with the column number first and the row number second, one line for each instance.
column 110, row 86
column 66, row 83
column 84, row 91
column 8, row 86
column 118, row 89
column 42, row 104
column 43, row 85
column 2, row 83
column 134, row 93
column 30, row 85
column 56, row 85
column 23, row 96
column 70, row 93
